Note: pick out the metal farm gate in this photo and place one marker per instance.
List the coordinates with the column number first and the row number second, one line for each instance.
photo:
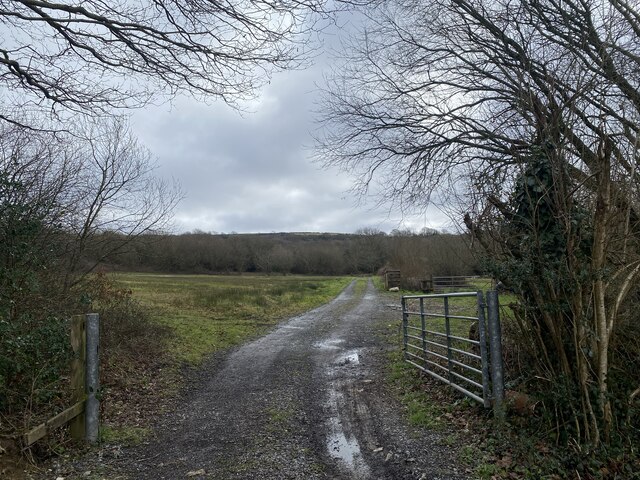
column 452, row 283
column 455, row 338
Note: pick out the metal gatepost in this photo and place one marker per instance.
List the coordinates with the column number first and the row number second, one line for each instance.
column 495, row 345
column 92, row 404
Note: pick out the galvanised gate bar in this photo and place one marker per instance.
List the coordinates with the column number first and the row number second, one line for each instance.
column 446, row 336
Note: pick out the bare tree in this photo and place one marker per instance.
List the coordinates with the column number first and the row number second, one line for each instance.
column 367, row 250
column 116, row 191
column 59, row 57
column 532, row 109
column 71, row 189
column 438, row 89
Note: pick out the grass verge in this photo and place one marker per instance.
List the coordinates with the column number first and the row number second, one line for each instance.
column 124, row 435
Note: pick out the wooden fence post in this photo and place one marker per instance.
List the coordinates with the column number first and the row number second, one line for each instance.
column 495, row 346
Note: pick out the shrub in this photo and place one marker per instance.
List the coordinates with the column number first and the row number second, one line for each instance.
column 34, row 360
column 126, row 329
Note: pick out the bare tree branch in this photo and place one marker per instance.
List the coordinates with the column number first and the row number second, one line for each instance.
column 61, row 58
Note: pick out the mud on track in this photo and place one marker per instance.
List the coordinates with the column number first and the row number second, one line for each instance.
column 306, row 401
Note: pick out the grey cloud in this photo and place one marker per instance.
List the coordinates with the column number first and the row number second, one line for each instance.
column 252, row 172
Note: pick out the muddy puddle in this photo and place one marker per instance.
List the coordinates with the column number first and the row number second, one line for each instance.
column 342, row 445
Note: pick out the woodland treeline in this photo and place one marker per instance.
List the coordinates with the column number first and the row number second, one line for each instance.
column 364, row 252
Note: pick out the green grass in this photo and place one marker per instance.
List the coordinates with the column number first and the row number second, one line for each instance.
column 480, row 284
column 378, row 282
column 279, row 418
column 421, row 410
column 125, row 435
column 360, row 286
column 207, row 313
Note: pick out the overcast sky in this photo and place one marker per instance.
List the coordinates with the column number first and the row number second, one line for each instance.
column 253, row 172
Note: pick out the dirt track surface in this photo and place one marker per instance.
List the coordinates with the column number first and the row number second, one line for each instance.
column 306, row 401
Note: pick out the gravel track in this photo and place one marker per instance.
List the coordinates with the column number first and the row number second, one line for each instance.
column 306, row 401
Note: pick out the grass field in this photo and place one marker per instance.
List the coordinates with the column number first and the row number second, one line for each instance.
column 209, row 312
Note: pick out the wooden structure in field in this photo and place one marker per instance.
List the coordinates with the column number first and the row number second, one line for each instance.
column 391, row 279
column 426, row 286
